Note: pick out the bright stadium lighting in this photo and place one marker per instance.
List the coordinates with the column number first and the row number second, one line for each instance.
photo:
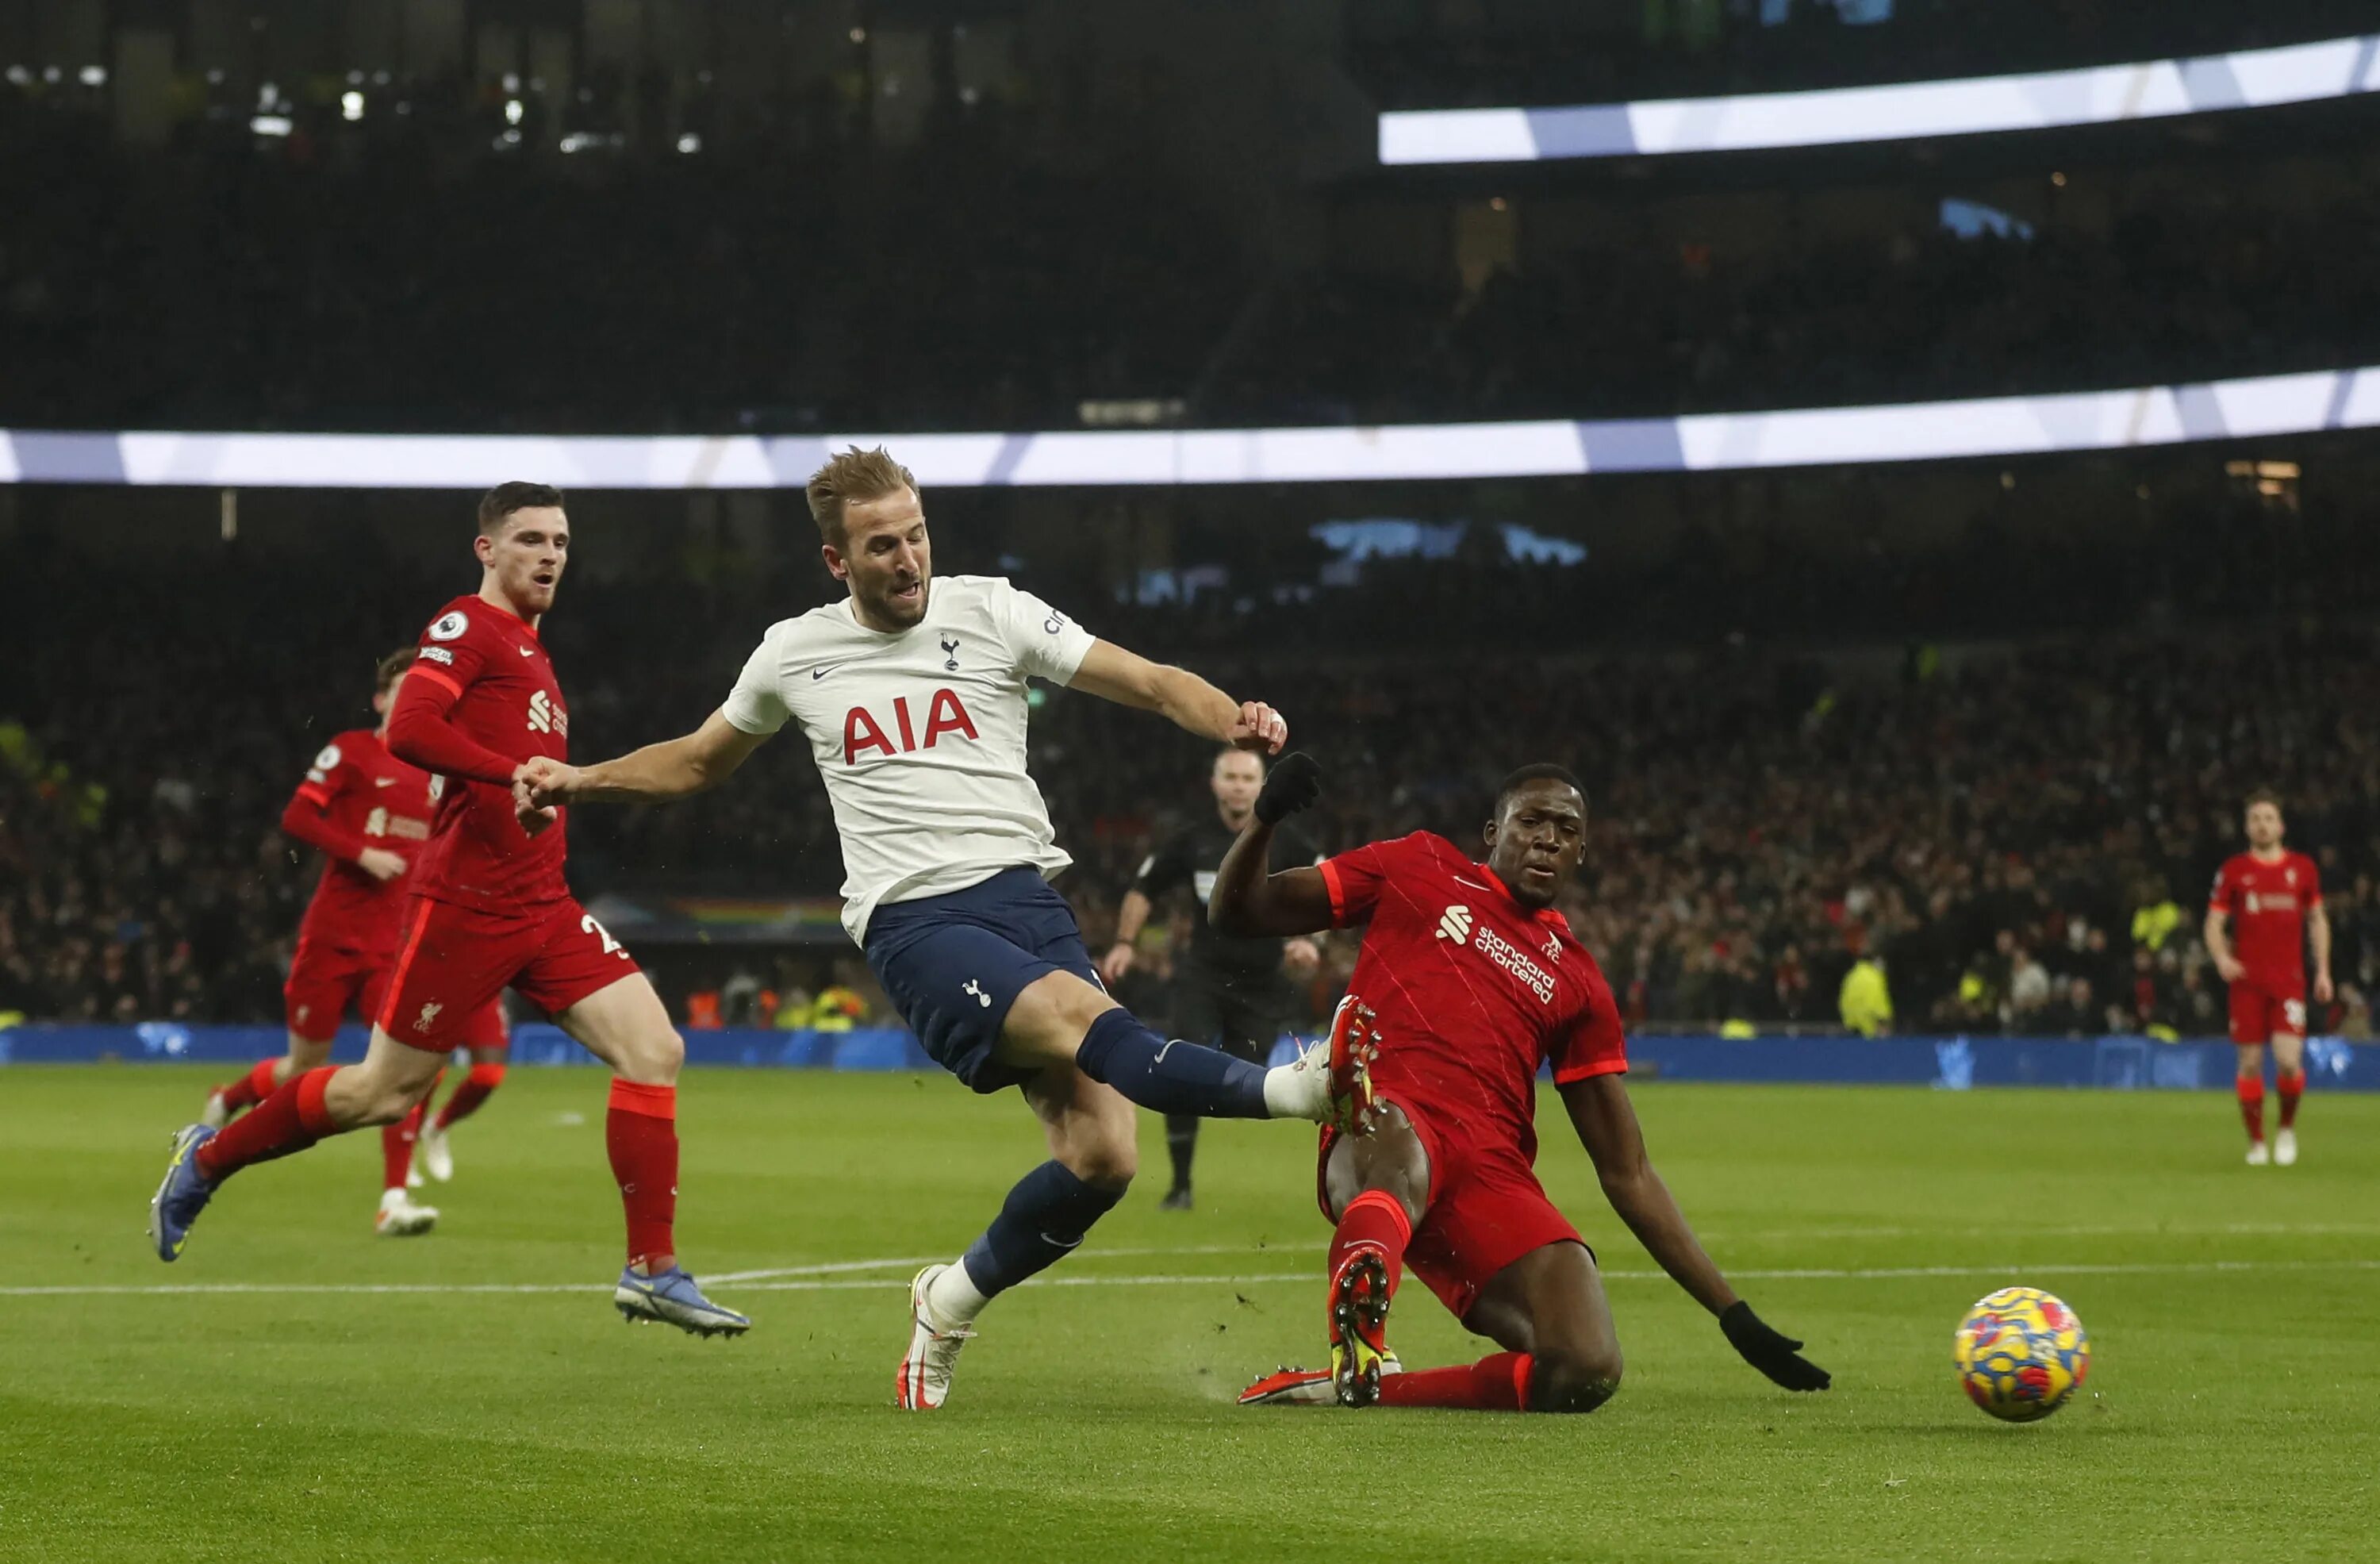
column 271, row 125
column 20, row 77
column 93, row 76
column 1980, row 428
column 351, row 107
column 689, row 143
column 2298, row 73
column 512, row 111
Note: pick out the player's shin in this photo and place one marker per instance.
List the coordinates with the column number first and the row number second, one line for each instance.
column 476, row 1089
column 1169, row 1075
column 2291, row 1085
column 640, row 1133
column 2250, row 1092
column 292, row 1119
column 1500, row 1383
column 1044, row 1218
column 397, row 1148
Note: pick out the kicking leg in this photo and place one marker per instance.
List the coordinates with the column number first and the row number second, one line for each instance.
column 306, row 1109
column 624, row 1025
column 1378, row 1189
column 1059, row 1018
column 263, row 1078
column 1093, row 1156
column 399, row 1215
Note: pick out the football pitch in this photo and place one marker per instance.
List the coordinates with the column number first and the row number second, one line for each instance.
column 298, row 1388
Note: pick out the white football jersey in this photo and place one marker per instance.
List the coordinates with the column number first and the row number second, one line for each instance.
column 919, row 734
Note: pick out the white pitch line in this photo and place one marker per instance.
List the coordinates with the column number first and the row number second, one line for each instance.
column 854, row 1284
column 840, row 1267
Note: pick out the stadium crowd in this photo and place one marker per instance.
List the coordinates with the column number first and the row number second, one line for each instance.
column 2019, row 835
column 1117, row 285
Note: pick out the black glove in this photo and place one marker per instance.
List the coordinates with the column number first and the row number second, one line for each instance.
column 1294, row 782
column 1778, row 1356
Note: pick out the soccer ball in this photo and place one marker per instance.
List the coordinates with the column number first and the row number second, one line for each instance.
column 2021, row 1354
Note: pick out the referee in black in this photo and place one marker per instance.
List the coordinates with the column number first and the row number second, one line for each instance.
column 1235, row 994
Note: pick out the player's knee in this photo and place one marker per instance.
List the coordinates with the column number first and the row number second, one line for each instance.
column 1106, row 1160
column 651, row 1057
column 1573, row 1380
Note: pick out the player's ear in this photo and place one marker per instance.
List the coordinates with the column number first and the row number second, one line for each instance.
column 484, row 548
column 834, row 565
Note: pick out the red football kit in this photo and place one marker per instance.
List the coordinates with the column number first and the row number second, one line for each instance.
column 1473, row 993
column 355, row 797
column 2268, row 905
column 490, row 906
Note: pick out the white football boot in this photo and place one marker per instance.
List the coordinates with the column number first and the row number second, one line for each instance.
column 925, row 1380
column 217, row 1113
column 399, row 1217
column 2260, row 1153
column 2285, row 1148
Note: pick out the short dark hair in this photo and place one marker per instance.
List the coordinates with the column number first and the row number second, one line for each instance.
column 391, row 669
column 2262, row 795
column 1543, row 771
column 504, row 498
column 849, row 476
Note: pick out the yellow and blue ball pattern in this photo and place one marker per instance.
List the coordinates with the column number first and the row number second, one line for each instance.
column 2021, row 1354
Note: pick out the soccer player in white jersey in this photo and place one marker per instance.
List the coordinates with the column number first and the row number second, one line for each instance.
column 911, row 691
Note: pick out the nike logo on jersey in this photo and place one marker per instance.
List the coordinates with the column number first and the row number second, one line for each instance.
column 384, row 781
column 524, row 650
column 1473, row 884
column 816, row 674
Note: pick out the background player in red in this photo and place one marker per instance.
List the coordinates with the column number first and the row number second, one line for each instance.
column 1470, row 980
column 490, row 910
column 366, row 811
column 2273, row 897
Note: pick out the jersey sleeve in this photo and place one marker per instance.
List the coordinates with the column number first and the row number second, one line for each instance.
column 757, row 704
column 1162, row 870
column 2225, row 896
column 1355, row 878
column 307, row 817
column 449, row 654
column 1044, row 642
column 1594, row 1042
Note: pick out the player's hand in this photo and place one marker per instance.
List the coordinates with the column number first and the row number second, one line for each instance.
column 379, row 863
column 1115, row 963
column 2321, row 989
column 2231, row 969
column 1293, row 785
column 1301, row 957
column 533, row 816
column 545, row 781
column 1778, row 1356
column 1260, row 729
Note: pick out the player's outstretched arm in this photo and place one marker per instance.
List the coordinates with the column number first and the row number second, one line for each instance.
column 656, row 773
column 1188, row 702
column 1605, row 1122
column 1245, row 899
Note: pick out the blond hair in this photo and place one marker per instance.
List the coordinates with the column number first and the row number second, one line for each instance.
column 850, row 475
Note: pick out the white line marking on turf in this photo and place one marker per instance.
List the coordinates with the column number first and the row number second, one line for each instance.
column 851, row 1284
column 840, row 1267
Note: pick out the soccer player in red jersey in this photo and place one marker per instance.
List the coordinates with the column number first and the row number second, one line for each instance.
column 2273, row 899
column 490, row 910
column 356, row 798
column 1470, row 980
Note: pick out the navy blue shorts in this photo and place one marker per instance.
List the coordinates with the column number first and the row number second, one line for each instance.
column 953, row 964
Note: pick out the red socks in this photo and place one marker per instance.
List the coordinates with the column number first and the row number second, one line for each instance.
column 2251, row 1104
column 1495, row 1384
column 396, row 1146
column 1374, row 1219
column 640, row 1132
column 483, row 1080
column 2292, row 1087
column 290, row 1119
column 252, row 1088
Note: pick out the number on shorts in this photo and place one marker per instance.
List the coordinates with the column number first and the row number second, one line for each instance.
column 587, row 925
column 2293, row 1012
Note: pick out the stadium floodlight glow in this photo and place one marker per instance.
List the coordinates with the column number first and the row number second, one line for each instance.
column 351, row 107
column 1992, row 426
column 2296, row 73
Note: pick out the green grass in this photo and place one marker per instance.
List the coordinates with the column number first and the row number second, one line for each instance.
column 2230, row 1414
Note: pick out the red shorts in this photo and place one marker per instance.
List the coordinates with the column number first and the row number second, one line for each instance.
column 455, row 962
column 326, row 987
column 1486, row 1210
column 2261, row 1013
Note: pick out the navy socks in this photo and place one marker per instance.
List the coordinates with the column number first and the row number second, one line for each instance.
column 1169, row 1075
column 1039, row 1224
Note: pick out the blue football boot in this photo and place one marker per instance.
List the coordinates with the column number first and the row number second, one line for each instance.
column 181, row 1196
column 672, row 1297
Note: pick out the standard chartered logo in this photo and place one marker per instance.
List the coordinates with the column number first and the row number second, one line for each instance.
column 1457, row 924
column 1454, row 923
